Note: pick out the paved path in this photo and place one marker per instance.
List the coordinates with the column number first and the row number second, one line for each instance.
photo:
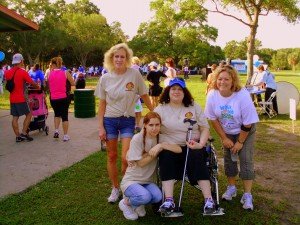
column 25, row 164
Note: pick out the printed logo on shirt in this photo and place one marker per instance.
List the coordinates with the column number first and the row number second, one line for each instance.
column 226, row 112
column 129, row 86
column 189, row 115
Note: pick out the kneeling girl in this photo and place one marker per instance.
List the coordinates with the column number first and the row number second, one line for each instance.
column 138, row 185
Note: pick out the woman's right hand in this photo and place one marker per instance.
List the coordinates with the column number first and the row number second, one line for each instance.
column 102, row 134
column 227, row 143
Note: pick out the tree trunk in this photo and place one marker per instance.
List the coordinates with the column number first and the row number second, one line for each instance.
column 250, row 52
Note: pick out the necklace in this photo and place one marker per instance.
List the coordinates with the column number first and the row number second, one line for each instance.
column 176, row 111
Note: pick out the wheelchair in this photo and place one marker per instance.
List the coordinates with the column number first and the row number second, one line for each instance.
column 212, row 164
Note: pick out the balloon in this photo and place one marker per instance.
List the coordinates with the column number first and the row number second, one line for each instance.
column 2, row 56
column 256, row 64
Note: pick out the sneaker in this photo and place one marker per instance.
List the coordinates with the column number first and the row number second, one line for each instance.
column 140, row 210
column 209, row 206
column 230, row 192
column 128, row 211
column 56, row 134
column 26, row 137
column 167, row 207
column 19, row 139
column 66, row 137
column 114, row 196
column 246, row 200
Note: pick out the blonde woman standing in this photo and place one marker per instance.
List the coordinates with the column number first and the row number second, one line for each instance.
column 118, row 91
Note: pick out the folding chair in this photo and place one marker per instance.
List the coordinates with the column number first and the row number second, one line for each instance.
column 264, row 105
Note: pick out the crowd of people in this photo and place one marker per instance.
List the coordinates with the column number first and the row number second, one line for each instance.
column 161, row 139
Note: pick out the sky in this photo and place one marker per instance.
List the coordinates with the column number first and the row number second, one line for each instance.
column 273, row 31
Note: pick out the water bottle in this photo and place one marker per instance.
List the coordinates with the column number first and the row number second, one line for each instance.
column 234, row 156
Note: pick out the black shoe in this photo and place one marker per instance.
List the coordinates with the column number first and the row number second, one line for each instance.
column 56, row 135
column 167, row 207
column 19, row 139
column 26, row 137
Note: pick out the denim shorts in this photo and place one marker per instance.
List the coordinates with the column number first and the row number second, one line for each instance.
column 119, row 125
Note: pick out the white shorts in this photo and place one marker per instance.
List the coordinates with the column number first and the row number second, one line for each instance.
column 138, row 106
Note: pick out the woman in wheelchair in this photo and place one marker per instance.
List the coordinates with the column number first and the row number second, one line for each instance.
column 138, row 185
column 230, row 109
column 177, row 107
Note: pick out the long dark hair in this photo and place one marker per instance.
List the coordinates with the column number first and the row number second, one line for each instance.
column 187, row 101
column 147, row 118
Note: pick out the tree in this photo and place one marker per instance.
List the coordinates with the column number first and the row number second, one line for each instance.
column 87, row 33
column 253, row 9
column 294, row 58
column 238, row 50
column 178, row 29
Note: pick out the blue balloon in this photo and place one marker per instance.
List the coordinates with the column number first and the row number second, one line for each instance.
column 256, row 64
column 2, row 56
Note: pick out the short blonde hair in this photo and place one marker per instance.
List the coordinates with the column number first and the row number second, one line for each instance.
column 108, row 56
column 135, row 60
column 236, row 84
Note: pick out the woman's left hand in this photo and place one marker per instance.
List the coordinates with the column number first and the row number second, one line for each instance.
column 194, row 144
column 236, row 147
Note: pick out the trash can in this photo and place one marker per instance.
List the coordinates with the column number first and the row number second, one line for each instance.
column 84, row 103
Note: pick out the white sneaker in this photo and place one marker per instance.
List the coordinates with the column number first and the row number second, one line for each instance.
column 114, row 196
column 230, row 192
column 209, row 206
column 128, row 211
column 66, row 137
column 140, row 210
column 246, row 200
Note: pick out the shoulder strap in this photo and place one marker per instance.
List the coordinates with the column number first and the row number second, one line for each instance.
column 14, row 75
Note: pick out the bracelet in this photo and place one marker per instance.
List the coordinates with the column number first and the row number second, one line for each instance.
column 240, row 141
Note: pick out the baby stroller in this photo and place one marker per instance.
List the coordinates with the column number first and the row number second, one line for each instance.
column 39, row 109
column 212, row 164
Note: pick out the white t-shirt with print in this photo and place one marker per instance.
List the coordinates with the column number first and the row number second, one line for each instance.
column 173, row 129
column 232, row 111
column 121, row 92
column 136, row 174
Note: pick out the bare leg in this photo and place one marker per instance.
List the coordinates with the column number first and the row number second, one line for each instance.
column 168, row 188
column 65, row 126
column 247, row 185
column 56, row 122
column 231, row 180
column 125, row 147
column 112, row 155
column 15, row 125
column 26, row 123
column 138, row 116
column 205, row 187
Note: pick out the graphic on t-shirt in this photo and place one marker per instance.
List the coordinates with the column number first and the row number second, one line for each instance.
column 226, row 112
column 129, row 86
column 189, row 115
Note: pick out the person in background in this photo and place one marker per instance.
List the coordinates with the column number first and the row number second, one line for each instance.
column 138, row 184
column 154, row 77
column 59, row 100
column 118, row 92
column 171, row 72
column 138, row 106
column 268, row 81
column 18, row 102
column 37, row 74
column 209, row 78
column 178, row 106
column 1, row 79
column 233, row 116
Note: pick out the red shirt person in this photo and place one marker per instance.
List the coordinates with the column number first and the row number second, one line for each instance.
column 18, row 103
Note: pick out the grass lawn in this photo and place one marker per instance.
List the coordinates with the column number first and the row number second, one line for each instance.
column 77, row 195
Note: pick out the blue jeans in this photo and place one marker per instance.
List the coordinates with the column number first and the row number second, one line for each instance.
column 115, row 125
column 143, row 194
